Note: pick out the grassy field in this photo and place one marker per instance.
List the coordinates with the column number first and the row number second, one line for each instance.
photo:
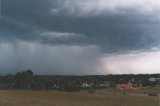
column 57, row 98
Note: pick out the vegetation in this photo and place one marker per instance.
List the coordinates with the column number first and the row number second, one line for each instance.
column 26, row 80
column 57, row 98
column 26, row 89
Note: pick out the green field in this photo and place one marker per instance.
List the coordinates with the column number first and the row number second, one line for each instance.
column 83, row 98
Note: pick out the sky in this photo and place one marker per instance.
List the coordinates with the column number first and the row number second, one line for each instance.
column 80, row 37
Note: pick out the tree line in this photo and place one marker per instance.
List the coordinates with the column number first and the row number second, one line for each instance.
column 27, row 80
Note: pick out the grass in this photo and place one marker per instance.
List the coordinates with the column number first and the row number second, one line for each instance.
column 146, row 90
column 57, row 98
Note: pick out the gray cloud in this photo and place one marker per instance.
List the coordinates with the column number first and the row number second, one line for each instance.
column 44, row 59
column 28, row 19
column 112, row 28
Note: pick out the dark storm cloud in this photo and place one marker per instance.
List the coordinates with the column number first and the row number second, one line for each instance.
column 78, row 36
column 27, row 20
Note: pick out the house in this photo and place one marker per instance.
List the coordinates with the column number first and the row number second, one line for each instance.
column 105, row 84
column 124, row 86
column 85, row 85
column 154, row 79
column 137, row 85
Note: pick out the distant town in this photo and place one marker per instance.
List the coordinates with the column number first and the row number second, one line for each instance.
column 27, row 80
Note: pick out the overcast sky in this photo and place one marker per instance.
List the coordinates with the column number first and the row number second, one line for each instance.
column 80, row 36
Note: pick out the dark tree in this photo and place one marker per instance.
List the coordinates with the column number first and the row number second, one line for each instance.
column 23, row 80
